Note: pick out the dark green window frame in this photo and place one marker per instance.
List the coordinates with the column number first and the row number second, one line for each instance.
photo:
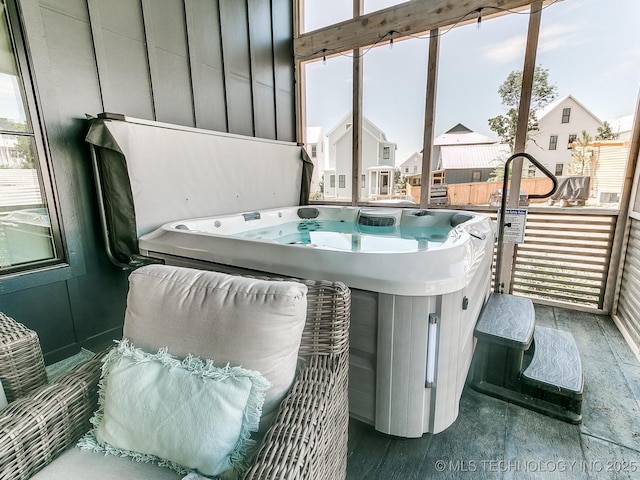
column 25, row 223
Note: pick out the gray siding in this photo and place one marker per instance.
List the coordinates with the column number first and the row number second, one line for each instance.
column 628, row 310
column 224, row 65
column 466, row 176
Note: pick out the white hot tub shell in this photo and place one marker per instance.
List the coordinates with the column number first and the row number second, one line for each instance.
column 415, row 302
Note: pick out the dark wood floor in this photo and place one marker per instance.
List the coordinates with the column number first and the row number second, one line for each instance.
column 492, row 439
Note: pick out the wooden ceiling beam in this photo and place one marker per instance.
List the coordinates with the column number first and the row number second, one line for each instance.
column 411, row 18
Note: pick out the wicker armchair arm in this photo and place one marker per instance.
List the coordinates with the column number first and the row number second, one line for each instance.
column 37, row 428
column 308, row 438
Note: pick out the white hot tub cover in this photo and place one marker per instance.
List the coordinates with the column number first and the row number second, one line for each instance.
column 149, row 173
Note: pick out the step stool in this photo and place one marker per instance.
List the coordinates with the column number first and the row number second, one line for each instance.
column 534, row 367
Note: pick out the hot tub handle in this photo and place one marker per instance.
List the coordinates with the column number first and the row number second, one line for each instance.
column 503, row 206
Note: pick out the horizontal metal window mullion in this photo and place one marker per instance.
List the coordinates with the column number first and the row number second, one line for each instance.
column 17, row 133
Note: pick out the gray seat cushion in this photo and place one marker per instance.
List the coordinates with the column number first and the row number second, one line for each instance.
column 76, row 464
column 242, row 321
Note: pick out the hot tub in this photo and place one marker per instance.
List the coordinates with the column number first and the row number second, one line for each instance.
column 418, row 278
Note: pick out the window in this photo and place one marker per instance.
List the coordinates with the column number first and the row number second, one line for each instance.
column 415, row 181
column 314, row 151
column 375, row 5
column 415, row 169
column 572, row 138
column 476, row 175
column 320, row 13
column 463, row 105
column 406, row 169
column 332, row 181
column 328, row 90
column 531, row 171
column 559, row 169
column 553, row 142
column 29, row 231
column 394, row 87
column 597, row 97
column 342, row 181
column 363, row 180
column 464, row 48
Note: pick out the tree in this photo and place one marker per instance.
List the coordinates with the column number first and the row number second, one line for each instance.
column 581, row 152
column 399, row 182
column 605, row 132
column 318, row 195
column 542, row 94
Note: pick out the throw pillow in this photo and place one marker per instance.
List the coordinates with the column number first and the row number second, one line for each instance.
column 186, row 415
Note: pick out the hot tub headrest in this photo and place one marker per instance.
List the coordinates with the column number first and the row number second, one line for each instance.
column 459, row 218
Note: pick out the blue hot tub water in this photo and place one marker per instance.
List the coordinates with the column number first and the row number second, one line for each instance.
column 343, row 235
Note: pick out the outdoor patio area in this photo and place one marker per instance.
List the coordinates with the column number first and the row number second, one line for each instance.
column 492, row 439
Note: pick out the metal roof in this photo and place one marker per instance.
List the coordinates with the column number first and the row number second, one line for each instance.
column 457, row 157
column 461, row 135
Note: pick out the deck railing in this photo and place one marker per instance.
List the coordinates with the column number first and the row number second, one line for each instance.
column 565, row 256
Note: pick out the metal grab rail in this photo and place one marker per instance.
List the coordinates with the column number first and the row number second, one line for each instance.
column 503, row 206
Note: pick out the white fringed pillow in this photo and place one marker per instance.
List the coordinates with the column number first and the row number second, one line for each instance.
column 185, row 415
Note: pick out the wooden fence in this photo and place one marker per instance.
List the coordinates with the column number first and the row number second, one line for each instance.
column 478, row 193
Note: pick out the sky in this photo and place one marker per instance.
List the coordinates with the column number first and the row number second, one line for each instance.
column 590, row 47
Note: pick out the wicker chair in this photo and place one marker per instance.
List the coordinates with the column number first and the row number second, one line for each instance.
column 307, row 440
column 21, row 362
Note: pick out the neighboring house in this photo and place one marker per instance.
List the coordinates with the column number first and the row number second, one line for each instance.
column 464, row 155
column 411, row 165
column 315, row 148
column 608, row 167
column 378, row 161
column 471, row 163
column 460, row 156
column 622, row 126
column 461, row 135
column 457, row 135
column 560, row 123
column 8, row 154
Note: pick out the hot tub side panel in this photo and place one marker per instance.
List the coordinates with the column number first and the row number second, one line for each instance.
column 403, row 403
column 363, row 353
column 456, row 343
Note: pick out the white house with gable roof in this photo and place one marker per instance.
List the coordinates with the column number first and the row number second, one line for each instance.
column 378, row 161
column 411, row 165
column 560, row 123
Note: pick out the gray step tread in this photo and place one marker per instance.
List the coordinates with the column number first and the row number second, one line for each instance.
column 508, row 320
column 556, row 362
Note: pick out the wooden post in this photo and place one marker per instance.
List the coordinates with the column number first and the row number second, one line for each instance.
column 356, row 127
column 621, row 233
column 429, row 117
column 508, row 255
column 300, row 97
